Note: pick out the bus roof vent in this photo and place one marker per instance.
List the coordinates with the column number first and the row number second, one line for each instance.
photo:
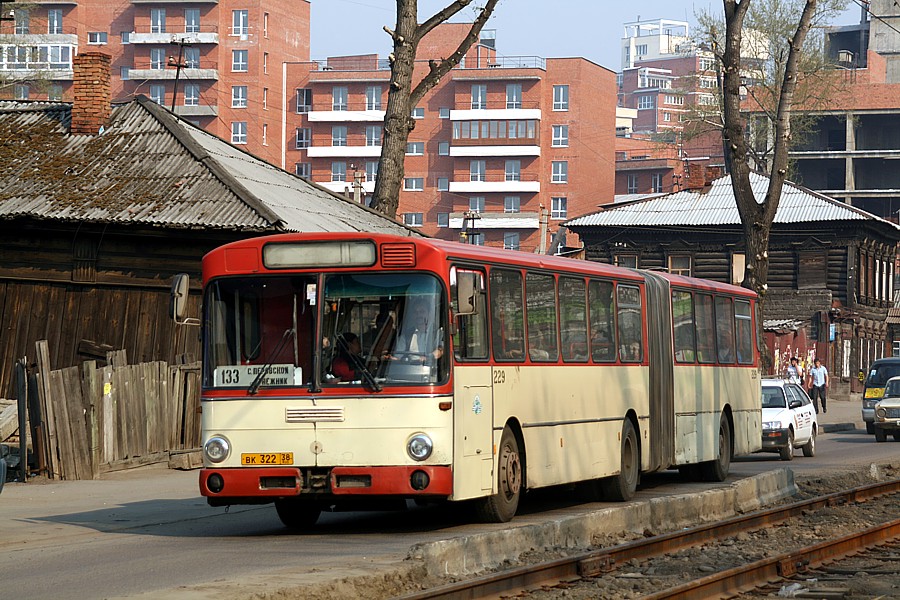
column 398, row 255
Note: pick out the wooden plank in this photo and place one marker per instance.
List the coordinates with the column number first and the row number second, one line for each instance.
column 162, row 375
column 91, row 392
column 132, row 463
column 120, row 388
column 177, row 408
column 63, row 448
column 192, row 403
column 54, row 467
column 78, row 428
column 108, row 412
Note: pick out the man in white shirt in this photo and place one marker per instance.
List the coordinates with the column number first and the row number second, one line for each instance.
column 818, row 378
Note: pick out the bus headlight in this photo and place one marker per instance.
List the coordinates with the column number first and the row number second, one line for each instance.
column 419, row 447
column 217, row 449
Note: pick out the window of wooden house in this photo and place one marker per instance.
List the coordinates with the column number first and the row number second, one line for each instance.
column 738, row 264
column 812, row 271
column 680, row 264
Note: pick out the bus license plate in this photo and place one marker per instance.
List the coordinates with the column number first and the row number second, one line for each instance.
column 267, row 458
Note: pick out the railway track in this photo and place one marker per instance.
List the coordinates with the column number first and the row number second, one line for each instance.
column 563, row 573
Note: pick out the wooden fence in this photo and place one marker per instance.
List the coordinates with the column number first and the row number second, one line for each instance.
column 99, row 419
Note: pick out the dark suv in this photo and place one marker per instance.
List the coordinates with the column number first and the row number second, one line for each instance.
column 879, row 373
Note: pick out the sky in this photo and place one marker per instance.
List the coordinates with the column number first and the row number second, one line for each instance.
column 592, row 29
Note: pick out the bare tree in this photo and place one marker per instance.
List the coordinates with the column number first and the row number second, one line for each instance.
column 403, row 97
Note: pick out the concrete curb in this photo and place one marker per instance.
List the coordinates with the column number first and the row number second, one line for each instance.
column 833, row 427
column 472, row 554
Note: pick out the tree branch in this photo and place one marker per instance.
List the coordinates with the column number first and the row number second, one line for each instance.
column 441, row 16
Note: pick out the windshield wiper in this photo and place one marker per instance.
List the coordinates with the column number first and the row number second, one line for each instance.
column 260, row 377
column 360, row 365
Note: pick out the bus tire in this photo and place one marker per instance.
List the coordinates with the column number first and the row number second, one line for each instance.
column 502, row 506
column 717, row 470
column 621, row 487
column 297, row 514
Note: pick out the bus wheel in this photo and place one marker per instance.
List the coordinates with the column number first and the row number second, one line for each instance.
column 502, row 506
column 717, row 470
column 621, row 487
column 296, row 513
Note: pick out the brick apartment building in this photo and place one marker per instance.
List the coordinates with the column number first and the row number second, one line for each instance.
column 230, row 51
column 504, row 148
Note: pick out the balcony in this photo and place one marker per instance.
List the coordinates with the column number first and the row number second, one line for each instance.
column 339, row 187
column 166, row 74
column 197, row 111
column 496, row 220
column 497, row 111
column 207, row 35
column 496, row 184
column 354, row 146
column 346, row 113
column 492, row 148
column 40, row 39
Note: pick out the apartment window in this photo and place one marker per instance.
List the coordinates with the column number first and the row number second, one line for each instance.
column 559, row 208
column 22, row 19
column 55, row 20
column 479, row 96
column 373, row 135
column 412, row 219
column 443, row 184
column 476, row 239
column 265, row 102
column 373, row 97
column 304, row 100
column 680, row 264
column 265, row 134
column 239, row 132
column 125, row 37
column 444, row 148
column 339, row 171
column 674, row 100
column 708, row 82
column 667, row 116
column 656, row 182
column 444, row 113
column 738, row 264
column 513, row 170
column 240, row 59
column 645, row 102
column 239, row 96
column 157, row 58
column 265, row 24
column 192, row 57
column 415, row 148
column 476, row 204
column 510, row 241
column 560, row 172
column 477, row 170
column 560, row 136
column 21, row 91
column 338, row 135
column 707, row 64
column 191, row 94
column 414, row 184
column 56, row 92
column 512, row 204
column 417, row 113
column 97, row 38
column 443, row 219
column 157, row 20
column 560, row 97
column 240, row 23
column 192, row 20
column 640, row 49
column 632, row 183
column 371, row 170
column 339, row 98
column 303, row 169
column 629, row 261
column 158, row 93
column 125, row 73
column 304, row 136
column 513, row 95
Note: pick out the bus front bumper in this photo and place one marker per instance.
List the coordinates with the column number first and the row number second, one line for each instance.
column 263, row 484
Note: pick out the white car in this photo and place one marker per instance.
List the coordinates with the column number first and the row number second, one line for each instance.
column 887, row 412
column 788, row 419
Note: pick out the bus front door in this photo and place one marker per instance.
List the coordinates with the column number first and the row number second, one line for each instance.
column 473, row 416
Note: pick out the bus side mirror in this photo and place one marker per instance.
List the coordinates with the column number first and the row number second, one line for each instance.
column 466, row 293
column 181, row 284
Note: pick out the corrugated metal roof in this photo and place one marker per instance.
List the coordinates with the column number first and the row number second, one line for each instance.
column 781, row 324
column 151, row 168
column 717, row 206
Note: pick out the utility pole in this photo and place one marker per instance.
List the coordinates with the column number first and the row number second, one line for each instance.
column 179, row 65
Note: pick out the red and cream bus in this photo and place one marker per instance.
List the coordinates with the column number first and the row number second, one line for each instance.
column 346, row 371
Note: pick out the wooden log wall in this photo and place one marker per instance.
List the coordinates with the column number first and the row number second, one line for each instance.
column 100, row 419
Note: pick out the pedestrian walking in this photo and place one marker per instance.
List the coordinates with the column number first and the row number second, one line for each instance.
column 795, row 371
column 818, row 379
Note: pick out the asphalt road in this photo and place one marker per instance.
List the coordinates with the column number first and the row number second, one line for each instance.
column 145, row 531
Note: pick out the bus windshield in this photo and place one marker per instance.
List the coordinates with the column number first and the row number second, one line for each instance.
column 384, row 328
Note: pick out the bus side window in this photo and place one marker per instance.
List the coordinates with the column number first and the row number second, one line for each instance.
column 705, row 322
column 744, row 325
column 683, row 326
column 470, row 336
column 724, row 330
column 540, row 300
column 507, row 315
column 603, row 321
column 628, row 300
column 573, row 315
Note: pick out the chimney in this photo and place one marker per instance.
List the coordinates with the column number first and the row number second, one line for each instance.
column 700, row 176
column 91, row 108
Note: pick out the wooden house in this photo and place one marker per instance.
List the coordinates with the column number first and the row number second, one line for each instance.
column 831, row 265
column 101, row 204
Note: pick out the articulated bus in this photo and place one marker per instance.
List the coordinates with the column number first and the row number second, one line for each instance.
column 358, row 371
